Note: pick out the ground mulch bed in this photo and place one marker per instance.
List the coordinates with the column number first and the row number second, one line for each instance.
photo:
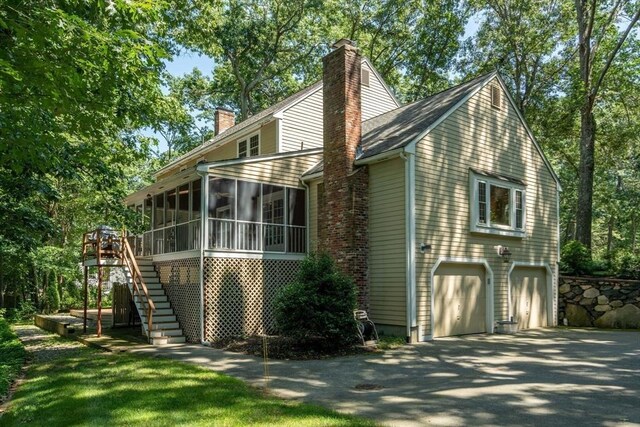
column 285, row 348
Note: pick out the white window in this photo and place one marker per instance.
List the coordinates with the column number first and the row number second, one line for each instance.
column 249, row 146
column 497, row 205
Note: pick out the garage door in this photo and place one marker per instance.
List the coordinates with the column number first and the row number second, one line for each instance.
column 529, row 297
column 460, row 304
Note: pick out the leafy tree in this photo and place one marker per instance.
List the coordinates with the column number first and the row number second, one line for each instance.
column 411, row 43
column 525, row 41
column 603, row 27
column 75, row 79
column 262, row 49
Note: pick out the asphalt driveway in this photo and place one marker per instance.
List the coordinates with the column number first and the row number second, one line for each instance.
column 542, row 377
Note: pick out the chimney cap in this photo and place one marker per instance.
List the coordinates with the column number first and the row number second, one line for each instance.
column 343, row 42
column 221, row 108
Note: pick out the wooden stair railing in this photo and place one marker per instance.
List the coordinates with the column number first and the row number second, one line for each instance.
column 139, row 286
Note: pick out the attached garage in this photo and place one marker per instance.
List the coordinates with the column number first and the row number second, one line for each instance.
column 530, row 297
column 459, row 299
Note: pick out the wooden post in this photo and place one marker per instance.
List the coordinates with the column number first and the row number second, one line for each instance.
column 99, row 299
column 86, row 298
column 99, row 327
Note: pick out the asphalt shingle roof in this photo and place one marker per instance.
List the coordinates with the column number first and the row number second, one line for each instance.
column 398, row 128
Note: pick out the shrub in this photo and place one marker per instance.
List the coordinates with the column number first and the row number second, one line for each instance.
column 319, row 304
column 628, row 265
column 25, row 312
column 575, row 258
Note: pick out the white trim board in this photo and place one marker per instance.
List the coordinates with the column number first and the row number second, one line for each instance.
column 490, row 294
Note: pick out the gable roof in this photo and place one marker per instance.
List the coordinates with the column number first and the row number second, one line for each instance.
column 400, row 127
column 256, row 118
column 396, row 129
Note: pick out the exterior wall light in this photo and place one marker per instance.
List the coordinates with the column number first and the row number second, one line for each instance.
column 424, row 247
column 504, row 252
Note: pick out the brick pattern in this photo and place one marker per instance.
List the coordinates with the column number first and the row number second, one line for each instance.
column 239, row 293
column 223, row 120
column 343, row 212
column 181, row 282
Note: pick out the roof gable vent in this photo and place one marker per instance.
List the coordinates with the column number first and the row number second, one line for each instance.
column 365, row 78
column 496, row 97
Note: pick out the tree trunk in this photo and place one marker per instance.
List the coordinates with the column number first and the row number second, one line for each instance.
column 612, row 220
column 584, row 214
column 634, row 230
column 1, row 283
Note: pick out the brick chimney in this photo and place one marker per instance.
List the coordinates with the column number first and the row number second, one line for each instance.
column 224, row 119
column 343, row 212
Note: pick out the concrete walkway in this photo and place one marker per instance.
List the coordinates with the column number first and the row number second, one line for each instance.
column 544, row 377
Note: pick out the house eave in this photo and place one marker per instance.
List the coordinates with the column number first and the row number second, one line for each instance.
column 380, row 157
column 207, row 167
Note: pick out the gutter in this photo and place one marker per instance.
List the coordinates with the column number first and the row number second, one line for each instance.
column 380, row 157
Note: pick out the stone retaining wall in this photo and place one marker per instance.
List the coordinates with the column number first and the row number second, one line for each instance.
column 601, row 302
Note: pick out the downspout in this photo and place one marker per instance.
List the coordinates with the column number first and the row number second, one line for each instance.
column 204, row 235
column 410, row 239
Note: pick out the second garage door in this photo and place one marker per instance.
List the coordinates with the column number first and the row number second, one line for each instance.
column 459, row 300
column 529, row 297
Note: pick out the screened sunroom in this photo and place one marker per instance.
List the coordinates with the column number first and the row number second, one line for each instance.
column 238, row 216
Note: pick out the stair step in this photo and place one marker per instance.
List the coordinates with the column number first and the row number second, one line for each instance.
column 165, row 325
column 142, row 261
column 155, row 299
column 164, row 315
column 161, row 305
column 153, row 284
column 161, row 315
column 166, row 333
column 168, row 340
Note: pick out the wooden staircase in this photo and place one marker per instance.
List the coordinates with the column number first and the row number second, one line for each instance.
column 165, row 328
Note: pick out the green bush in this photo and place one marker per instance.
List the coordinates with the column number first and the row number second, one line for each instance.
column 12, row 355
column 25, row 312
column 575, row 258
column 51, row 303
column 318, row 305
column 627, row 265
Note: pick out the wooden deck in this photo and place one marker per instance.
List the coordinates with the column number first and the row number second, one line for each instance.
column 92, row 314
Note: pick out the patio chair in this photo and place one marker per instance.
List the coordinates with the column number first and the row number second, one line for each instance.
column 366, row 328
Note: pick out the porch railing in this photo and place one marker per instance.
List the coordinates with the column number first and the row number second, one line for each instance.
column 174, row 238
column 224, row 234
column 103, row 245
column 227, row 234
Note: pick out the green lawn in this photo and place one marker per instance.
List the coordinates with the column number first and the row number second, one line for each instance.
column 69, row 384
column 12, row 356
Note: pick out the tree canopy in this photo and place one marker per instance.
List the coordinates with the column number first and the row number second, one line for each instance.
column 80, row 81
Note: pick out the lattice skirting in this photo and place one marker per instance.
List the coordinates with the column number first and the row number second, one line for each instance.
column 181, row 282
column 238, row 294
